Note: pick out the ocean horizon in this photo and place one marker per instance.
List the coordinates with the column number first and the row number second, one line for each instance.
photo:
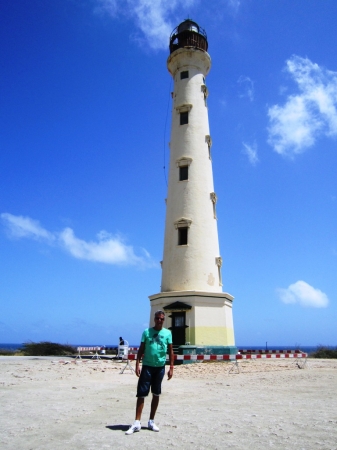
column 303, row 348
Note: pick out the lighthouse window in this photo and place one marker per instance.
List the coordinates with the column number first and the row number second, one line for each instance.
column 179, row 320
column 184, row 74
column 184, row 118
column 183, row 173
column 182, row 235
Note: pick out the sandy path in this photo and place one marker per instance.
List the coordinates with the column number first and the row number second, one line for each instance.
column 270, row 404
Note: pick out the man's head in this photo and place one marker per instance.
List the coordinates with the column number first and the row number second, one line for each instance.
column 159, row 318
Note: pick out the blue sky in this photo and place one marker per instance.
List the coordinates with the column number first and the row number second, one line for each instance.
column 85, row 121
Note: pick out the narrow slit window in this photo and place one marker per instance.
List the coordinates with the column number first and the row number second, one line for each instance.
column 182, row 235
column 205, row 91
column 184, row 74
column 214, row 199
column 183, row 173
column 184, row 118
column 209, row 143
column 218, row 262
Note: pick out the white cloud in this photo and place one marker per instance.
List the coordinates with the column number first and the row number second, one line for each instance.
column 106, row 249
column 307, row 115
column 247, row 87
column 251, row 152
column 20, row 226
column 303, row 294
column 107, row 6
column 152, row 17
column 234, row 4
column 155, row 19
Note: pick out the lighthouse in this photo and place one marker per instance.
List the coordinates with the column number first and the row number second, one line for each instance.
column 199, row 313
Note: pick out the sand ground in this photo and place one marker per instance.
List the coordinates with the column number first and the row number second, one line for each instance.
column 56, row 404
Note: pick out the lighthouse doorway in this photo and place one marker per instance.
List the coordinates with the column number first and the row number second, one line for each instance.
column 178, row 328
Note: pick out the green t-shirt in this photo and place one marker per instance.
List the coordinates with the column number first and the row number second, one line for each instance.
column 156, row 343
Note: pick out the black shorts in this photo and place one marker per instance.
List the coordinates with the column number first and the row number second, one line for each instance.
column 150, row 377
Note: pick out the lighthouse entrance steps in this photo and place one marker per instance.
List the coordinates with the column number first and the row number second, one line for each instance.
column 176, row 349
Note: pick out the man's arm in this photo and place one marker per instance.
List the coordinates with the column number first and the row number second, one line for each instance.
column 139, row 357
column 171, row 358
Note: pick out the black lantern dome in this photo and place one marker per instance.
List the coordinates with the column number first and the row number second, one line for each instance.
column 188, row 34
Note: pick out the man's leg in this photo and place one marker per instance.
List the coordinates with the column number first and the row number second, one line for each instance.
column 143, row 388
column 136, row 426
column 154, row 406
column 139, row 407
column 156, row 391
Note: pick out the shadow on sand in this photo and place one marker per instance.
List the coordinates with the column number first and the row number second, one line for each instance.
column 121, row 427
column 118, row 427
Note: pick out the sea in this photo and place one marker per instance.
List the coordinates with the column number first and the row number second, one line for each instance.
column 303, row 348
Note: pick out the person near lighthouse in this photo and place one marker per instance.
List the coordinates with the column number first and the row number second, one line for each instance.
column 153, row 348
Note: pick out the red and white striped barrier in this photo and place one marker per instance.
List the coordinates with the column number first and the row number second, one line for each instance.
column 271, row 356
column 89, row 349
column 248, row 351
column 231, row 357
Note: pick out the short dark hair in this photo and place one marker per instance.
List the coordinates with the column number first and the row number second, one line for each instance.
column 159, row 312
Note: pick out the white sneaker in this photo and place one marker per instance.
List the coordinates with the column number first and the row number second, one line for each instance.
column 136, row 426
column 152, row 426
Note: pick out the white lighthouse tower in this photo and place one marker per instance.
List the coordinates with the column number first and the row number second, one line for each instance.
column 199, row 313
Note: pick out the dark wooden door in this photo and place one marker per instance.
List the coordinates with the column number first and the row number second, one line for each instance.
column 178, row 328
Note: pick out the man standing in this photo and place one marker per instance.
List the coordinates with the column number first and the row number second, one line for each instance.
column 153, row 347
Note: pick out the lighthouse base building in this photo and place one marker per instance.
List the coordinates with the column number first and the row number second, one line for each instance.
column 201, row 322
column 199, row 314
